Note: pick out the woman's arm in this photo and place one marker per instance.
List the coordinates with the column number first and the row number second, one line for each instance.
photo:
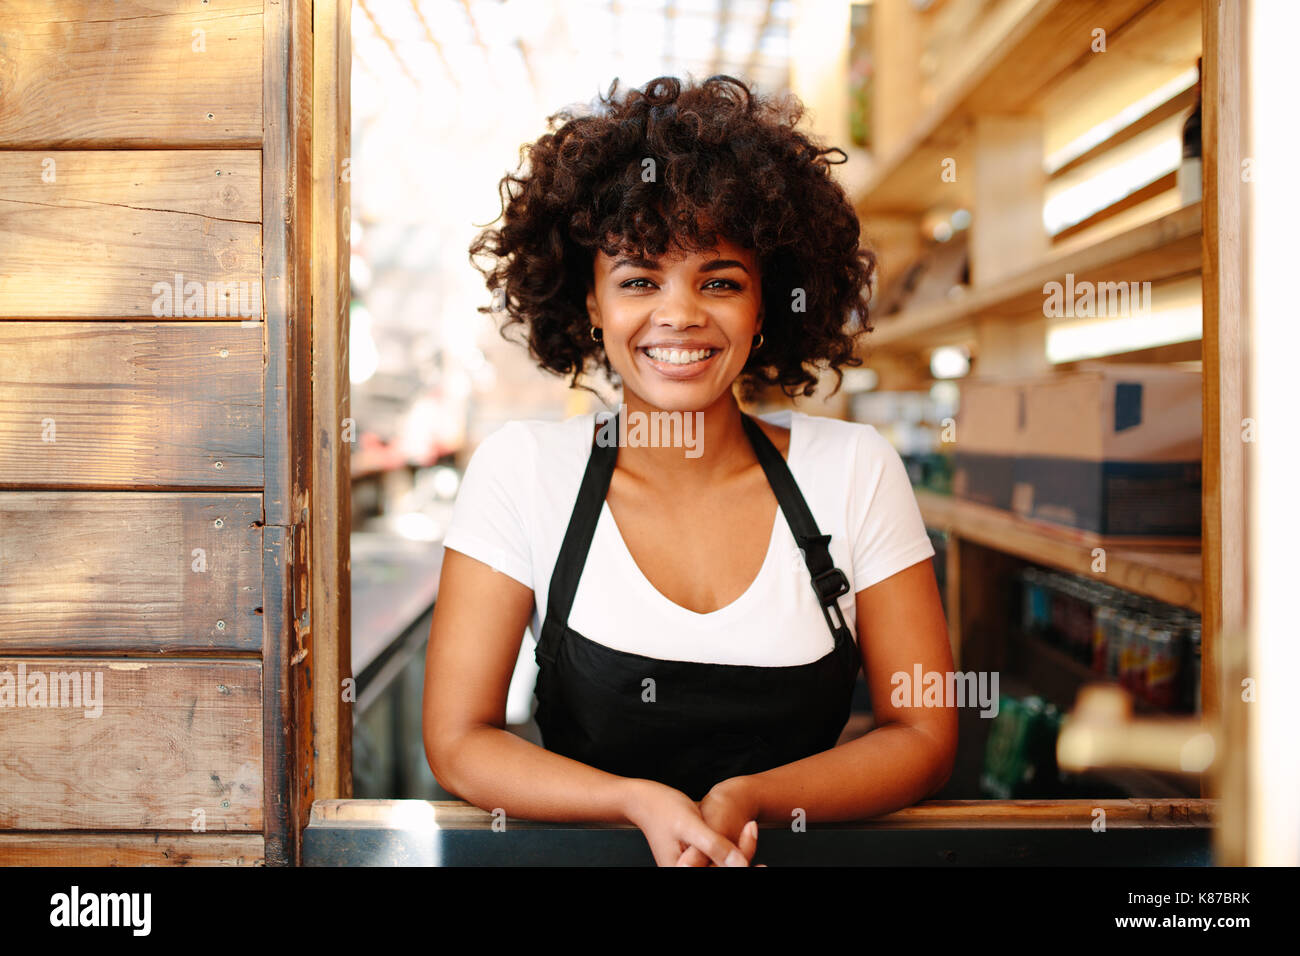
column 907, row 757
column 478, row 624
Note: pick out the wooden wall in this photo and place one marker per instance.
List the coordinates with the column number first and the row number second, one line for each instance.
column 155, row 414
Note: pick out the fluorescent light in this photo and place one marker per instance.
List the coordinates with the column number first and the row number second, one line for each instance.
column 1125, row 117
column 1075, row 203
column 1175, row 316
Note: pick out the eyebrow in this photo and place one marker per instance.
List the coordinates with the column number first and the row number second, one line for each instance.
column 714, row 265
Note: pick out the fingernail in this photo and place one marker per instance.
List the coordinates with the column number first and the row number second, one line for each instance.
column 736, row 858
column 752, row 828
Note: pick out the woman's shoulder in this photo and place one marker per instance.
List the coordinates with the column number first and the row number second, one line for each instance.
column 529, row 443
column 830, row 435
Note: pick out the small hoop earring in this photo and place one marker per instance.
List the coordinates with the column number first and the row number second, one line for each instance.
column 596, row 334
column 758, row 344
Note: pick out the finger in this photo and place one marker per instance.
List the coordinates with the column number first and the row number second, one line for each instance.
column 693, row 857
column 748, row 841
column 665, row 852
column 715, row 846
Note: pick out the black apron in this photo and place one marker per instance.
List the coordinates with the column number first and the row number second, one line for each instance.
column 688, row 724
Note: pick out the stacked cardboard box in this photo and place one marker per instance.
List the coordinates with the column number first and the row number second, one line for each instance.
column 1109, row 449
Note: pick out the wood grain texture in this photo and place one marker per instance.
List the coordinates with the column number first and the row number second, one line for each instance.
column 130, row 405
column 170, row 738
column 106, row 234
column 277, row 703
column 286, row 204
column 331, row 448
column 1167, row 576
column 130, row 73
column 1225, row 105
column 92, row 573
column 130, row 849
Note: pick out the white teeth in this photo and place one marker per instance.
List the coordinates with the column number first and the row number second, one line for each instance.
column 678, row 356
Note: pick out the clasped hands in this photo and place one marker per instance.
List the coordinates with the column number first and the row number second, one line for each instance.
column 730, row 809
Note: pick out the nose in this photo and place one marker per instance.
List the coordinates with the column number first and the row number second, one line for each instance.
column 678, row 308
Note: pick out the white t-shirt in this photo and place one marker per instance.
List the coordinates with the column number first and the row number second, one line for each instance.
column 521, row 484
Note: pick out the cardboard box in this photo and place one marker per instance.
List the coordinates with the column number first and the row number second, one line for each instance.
column 989, row 425
column 1113, row 449
column 1109, row 449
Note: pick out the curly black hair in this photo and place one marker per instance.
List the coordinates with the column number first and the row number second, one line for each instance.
column 679, row 165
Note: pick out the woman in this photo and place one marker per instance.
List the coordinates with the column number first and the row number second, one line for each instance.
column 695, row 607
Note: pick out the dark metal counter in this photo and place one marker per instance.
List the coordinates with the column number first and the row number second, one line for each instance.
column 1139, row 832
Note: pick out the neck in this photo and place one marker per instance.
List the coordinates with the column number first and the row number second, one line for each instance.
column 717, row 444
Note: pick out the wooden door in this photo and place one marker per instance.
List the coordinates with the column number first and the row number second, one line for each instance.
column 164, row 471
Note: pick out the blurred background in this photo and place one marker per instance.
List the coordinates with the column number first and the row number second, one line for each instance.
column 1028, row 173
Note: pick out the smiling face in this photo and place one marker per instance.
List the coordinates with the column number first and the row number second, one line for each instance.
column 678, row 329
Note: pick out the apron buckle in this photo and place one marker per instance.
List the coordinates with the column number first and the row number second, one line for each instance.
column 830, row 585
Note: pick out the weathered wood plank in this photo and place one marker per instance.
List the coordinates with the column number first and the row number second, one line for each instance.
column 93, row 573
column 130, row 405
column 300, row 427
column 130, row 73
column 115, row 234
column 277, row 707
column 153, row 746
column 286, row 204
column 130, row 849
column 331, row 451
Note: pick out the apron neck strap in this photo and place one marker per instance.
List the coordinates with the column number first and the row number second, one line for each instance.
column 577, row 538
column 828, row 581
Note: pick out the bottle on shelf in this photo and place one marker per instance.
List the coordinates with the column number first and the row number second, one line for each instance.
column 1150, row 648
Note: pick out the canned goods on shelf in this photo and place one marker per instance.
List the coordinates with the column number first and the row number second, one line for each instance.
column 1102, row 621
column 1164, row 652
column 1192, row 668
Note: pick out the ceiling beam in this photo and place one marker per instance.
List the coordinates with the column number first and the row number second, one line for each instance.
column 473, row 26
column 387, row 41
column 428, row 35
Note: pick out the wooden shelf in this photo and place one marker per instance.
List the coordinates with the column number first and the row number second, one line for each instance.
column 1163, row 248
column 1174, row 578
column 1023, row 51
